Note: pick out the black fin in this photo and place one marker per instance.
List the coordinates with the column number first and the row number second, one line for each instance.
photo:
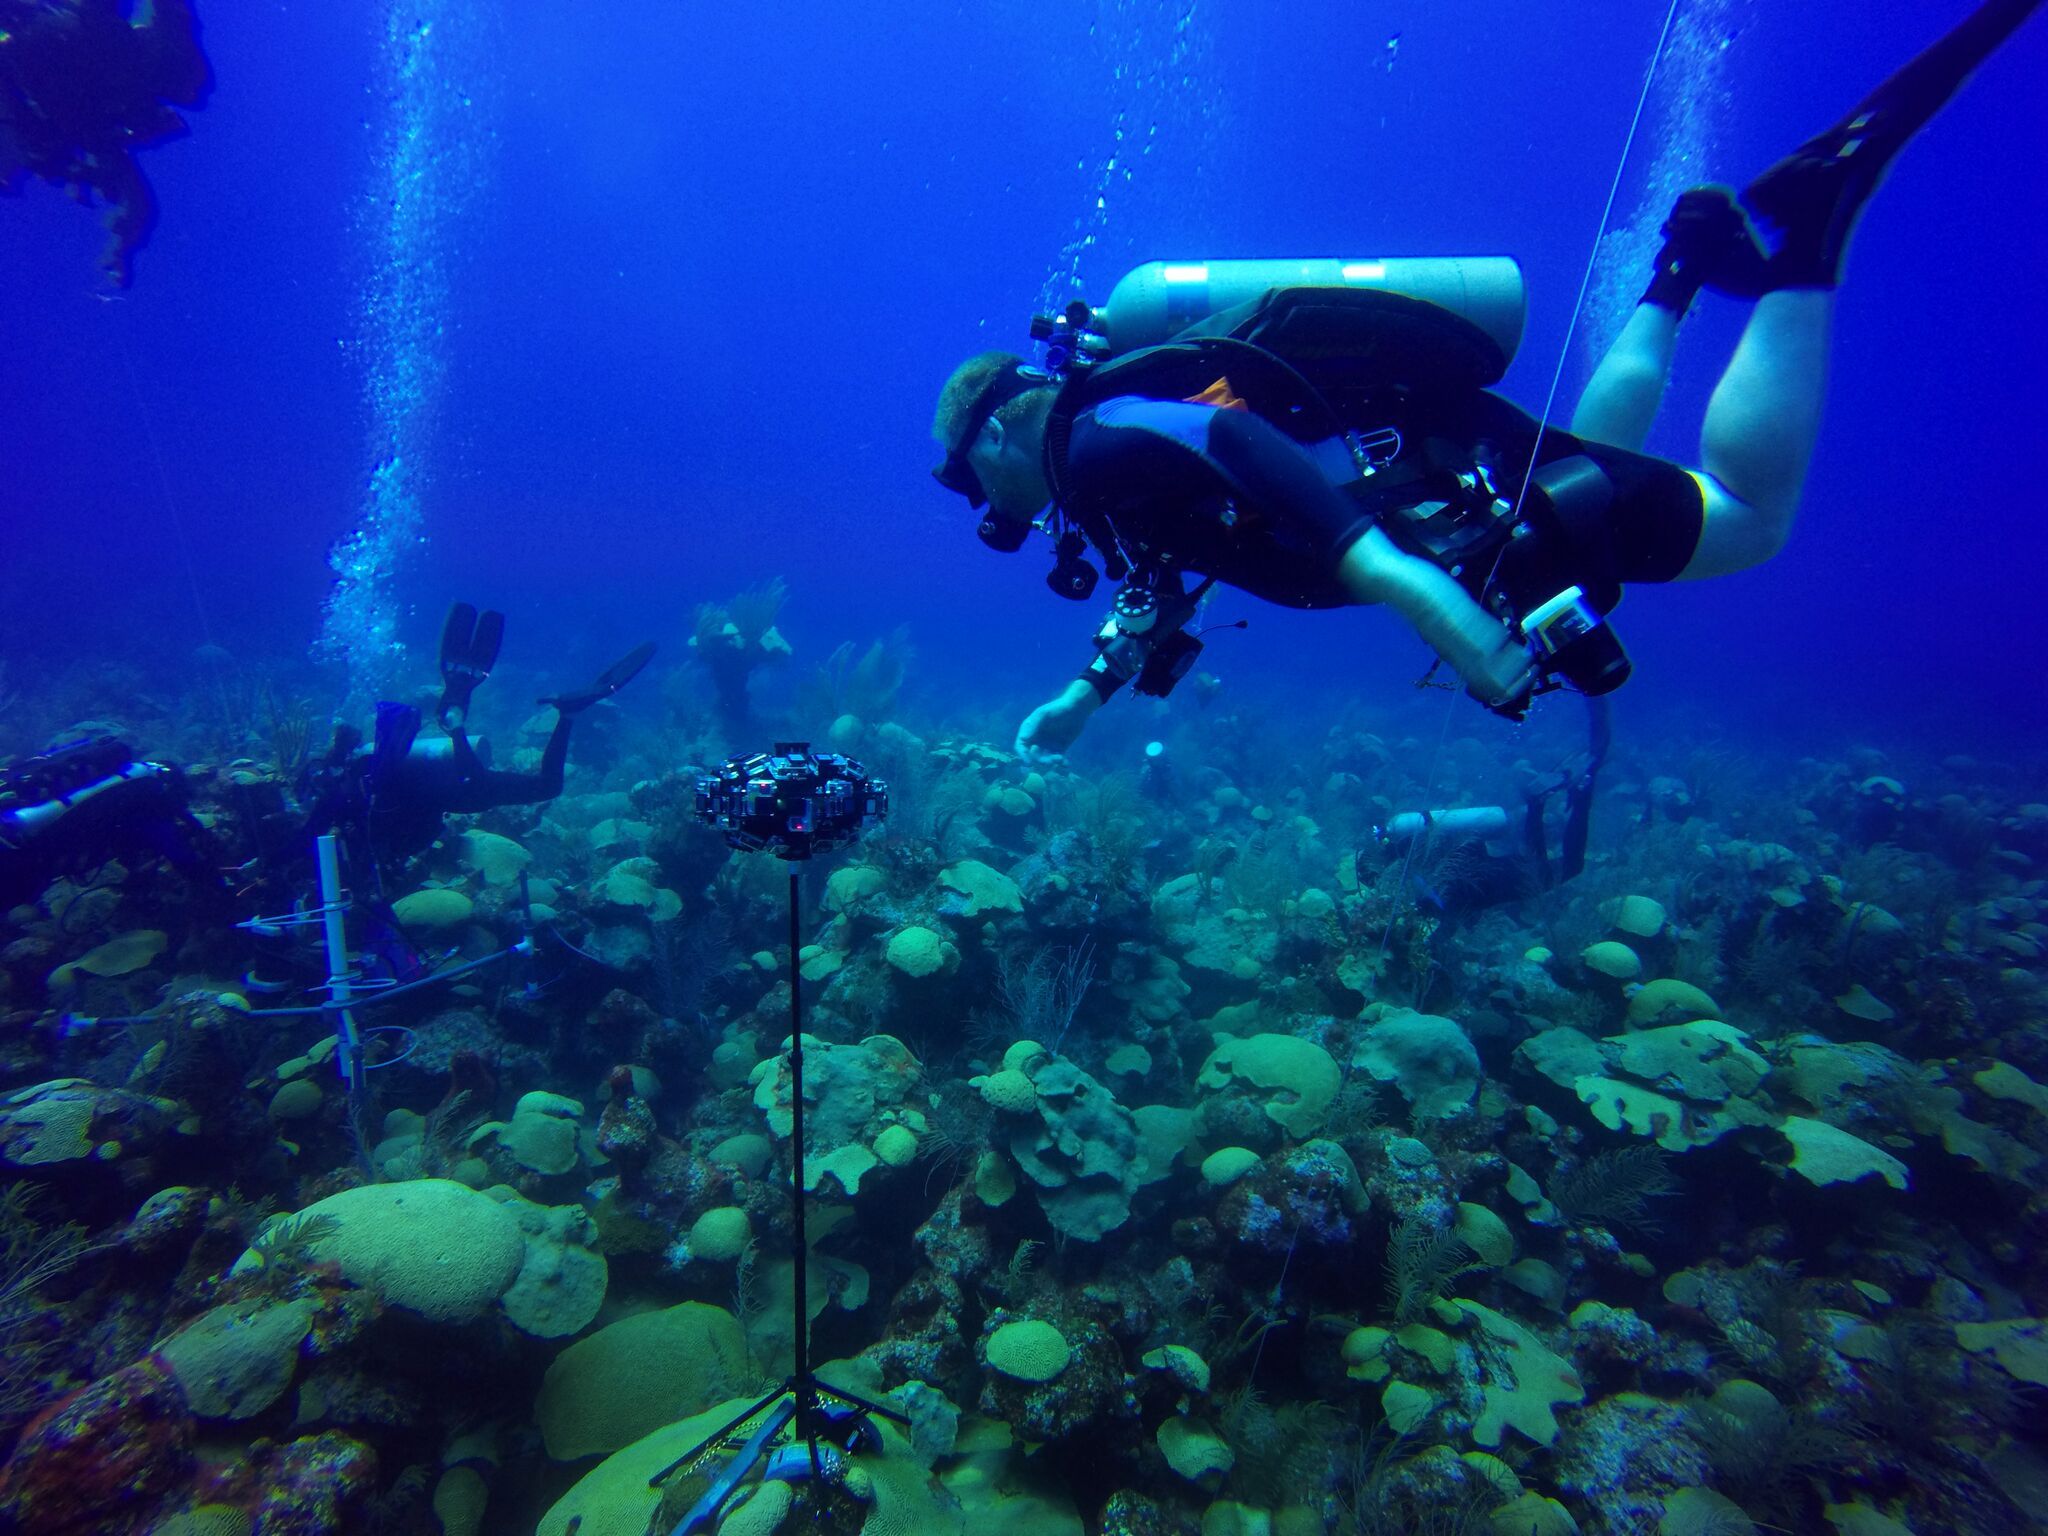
column 483, row 646
column 1814, row 195
column 456, row 630
column 469, row 649
column 609, row 681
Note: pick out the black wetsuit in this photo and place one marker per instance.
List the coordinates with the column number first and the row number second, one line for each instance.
column 85, row 85
column 1529, row 870
column 1224, row 492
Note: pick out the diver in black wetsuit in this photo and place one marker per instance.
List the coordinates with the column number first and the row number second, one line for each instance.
column 388, row 799
column 1217, row 455
column 84, row 84
column 71, row 810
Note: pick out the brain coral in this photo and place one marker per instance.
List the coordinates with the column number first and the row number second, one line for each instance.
column 1029, row 1350
column 615, row 1498
column 631, row 1377
column 721, row 1233
column 439, row 908
column 920, row 952
column 238, row 1359
column 1009, row 1091
column 295, row 1100
column 896, row 1145
column 431, row 1245
column 985, row 889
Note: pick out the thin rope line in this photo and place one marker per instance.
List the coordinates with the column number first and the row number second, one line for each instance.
column 163, row 481
column 1428, row 833
column 1564, row 352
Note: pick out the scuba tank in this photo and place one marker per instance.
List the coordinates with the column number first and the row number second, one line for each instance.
column 1466, row 824
column 1157, row 301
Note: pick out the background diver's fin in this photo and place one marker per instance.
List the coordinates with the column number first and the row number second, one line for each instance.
column 456, row 630
column 609, row 681
column 483, row 645
column 469, row 649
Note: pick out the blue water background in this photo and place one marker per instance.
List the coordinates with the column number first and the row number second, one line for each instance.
column 717, row 261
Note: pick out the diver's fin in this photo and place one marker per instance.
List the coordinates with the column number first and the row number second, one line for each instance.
column 1814, row 195
column 609, row 681
column 1708, row 242
column 469, row 649
column 484, row 644
column 456, row 630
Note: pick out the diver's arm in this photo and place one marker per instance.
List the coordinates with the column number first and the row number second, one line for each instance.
column 1477, row 645
column 1056, row 724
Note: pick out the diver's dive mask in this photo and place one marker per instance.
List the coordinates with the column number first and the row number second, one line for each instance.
column 955, row 473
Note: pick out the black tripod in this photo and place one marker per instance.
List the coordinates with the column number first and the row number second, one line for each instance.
column 791, row 802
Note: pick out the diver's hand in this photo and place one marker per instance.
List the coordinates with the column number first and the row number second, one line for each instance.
column 1057, row 724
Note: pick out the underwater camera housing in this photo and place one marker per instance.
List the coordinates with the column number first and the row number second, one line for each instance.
column 1071, row 575
column 1570, row 639
column 1553, row 587
column 791, row 800
column 1144, row 644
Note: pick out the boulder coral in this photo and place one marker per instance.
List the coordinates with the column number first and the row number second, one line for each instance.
column 1428, row 1058
column 1296, row 1078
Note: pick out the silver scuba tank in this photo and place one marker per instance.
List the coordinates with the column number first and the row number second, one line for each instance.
column 1158, row 300
column 1466, row 824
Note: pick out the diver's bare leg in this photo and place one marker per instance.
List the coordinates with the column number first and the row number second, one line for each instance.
column 1622, row 397
column 1765, row 413
column 1761, row 426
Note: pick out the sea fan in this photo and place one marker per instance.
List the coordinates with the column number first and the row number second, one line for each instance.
column 1615, row 1188
column 1422, row 1261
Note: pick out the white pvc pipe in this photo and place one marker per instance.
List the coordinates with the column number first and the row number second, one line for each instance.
column 349, row 1059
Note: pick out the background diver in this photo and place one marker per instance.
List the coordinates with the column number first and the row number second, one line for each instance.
column 1162, row 471
column 84, row 85
column 73, row 809
column 387, row 798
column 1466, row 860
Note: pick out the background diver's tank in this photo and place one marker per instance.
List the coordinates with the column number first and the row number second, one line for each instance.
column 1159, row 299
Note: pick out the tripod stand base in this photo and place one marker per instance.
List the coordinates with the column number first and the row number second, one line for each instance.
column 800, row 1402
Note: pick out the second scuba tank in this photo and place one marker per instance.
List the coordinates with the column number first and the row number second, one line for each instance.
column 1470, row 823
column 1162, row 298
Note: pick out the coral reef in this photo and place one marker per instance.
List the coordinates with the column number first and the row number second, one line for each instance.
column 1177, row 1160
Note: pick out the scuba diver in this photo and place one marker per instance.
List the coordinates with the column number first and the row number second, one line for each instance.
column 84, row 84
column 1322, row 438
column 387, row 798
column 70, row 810
column 1461, row 861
